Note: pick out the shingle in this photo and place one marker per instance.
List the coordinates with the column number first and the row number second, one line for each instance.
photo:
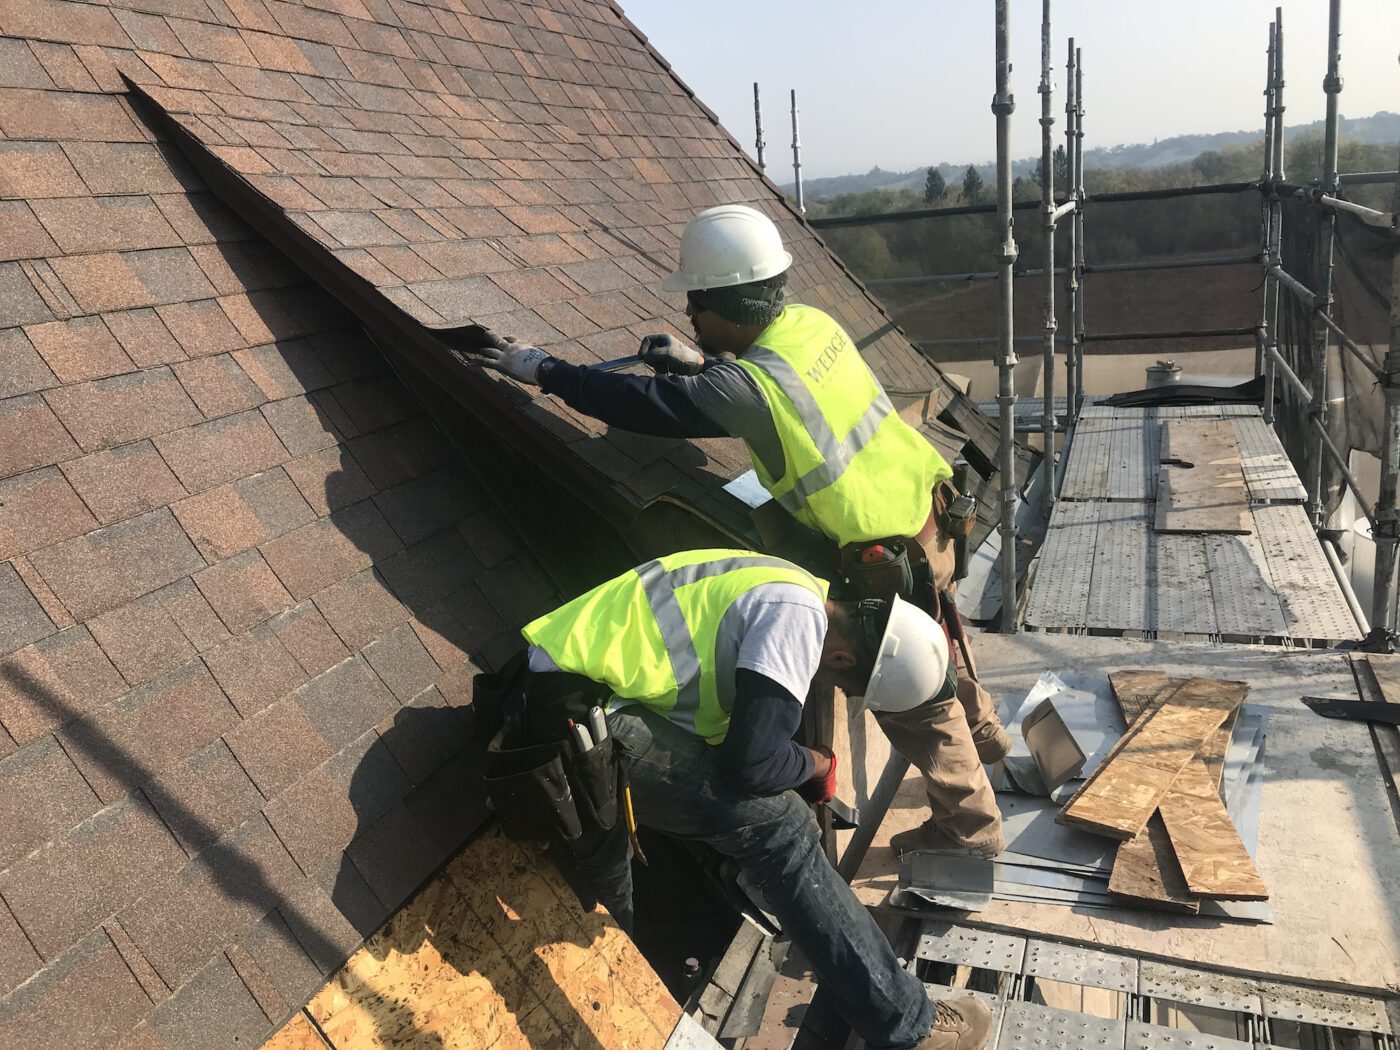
column 431, row 568
column 37, row 509
column 88, row 997
column 420, row 507
column 19, row 68
column 530, row 287
column 221, row 450
column 120, row 482
column 424, row 733
column 360, row 608
column 59, row 20
column 62, row 891
column 24, row 371
column 18, row 959
column 227, row 889
column 403, row 665
column 113, row 565
column 307, row 636
column 458, row 627
column 31, row 436
column 203, row 797
column 243, row 590
column 218, row 386
column 460, row 299
column 20, row 302
column 395, row 855
column 50, row 115
column 21, row 619
column 42, row 795
column 80, row 349
column 345, row 701
column 282, row 370
column 169, row 275
column 286, row 313
column 277, row 746
column 141, row 639
column 229, row 519
column 329, row 479
column 21, row 235
column 45, row 684
column 255, row 669
column 200, row 327
column 301, row 425
column 194, row 616
column 490, row 536
column 213, row 1010
column 374, row 402
column 144, row 337
column 323, row 811
column 114, row 411
column 104, row 224
column 319, row 554
column 148, row 730
column 31, row 170
column 117, row 167
column 102, row 282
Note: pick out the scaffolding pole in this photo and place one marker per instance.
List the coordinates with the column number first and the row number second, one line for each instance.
column 1072, row 280
column 1273, row 250
column 1385, row 521
column 1047, row 204
column 758, row 127
column 1078, row 306
column 797, row 157
column 1332, row 85
column 1265, row 177
column 1002, row 106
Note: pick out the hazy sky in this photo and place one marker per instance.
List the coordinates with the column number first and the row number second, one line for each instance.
column 901, row 83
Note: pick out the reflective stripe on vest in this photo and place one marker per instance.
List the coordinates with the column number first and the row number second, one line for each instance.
column 836, row 455
column 876, row 479
column 654, row 643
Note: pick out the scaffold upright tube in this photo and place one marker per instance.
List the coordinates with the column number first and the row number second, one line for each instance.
column 1047, row 199
column 1002, row 106
column 1385, row 521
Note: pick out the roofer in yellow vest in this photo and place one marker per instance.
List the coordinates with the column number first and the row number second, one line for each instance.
column 703, row 659
column 826, row 443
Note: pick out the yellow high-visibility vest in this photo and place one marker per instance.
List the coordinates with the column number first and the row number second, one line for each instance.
column 649, row 635
column 853, row 469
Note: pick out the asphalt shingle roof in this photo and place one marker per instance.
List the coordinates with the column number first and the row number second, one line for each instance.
column 244, row 581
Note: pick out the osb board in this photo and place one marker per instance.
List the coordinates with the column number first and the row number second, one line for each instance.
column 495, row 952
column 1200, row 487
column 1387, row 672
column 297, row 1034
column 1328, row 847
column 1190, row 848
column 1121, row 794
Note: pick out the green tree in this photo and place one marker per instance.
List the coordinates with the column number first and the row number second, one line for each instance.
column 972, row 186
column 1060, row 165
column 935, row 188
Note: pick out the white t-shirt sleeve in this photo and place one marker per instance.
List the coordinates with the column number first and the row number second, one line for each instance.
column 783, row 634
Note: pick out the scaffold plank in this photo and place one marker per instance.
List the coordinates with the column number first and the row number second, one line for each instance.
column 1200, row 487
column 1242, row 588
column 1132, row 461
column 1087, row 967
column 1028, row 1026
column 1310, row 599
column 1060, row 597
column 1086, row 474
column 1122, row 591
column 1267, row 471
column 1183, row 592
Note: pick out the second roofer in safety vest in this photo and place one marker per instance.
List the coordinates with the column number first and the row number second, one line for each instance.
column 830, row 448
column 702, row 660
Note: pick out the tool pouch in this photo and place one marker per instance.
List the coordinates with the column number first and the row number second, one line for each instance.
column 883, row 579
column 542, row 789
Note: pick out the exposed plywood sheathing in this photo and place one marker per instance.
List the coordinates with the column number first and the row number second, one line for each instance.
column 1119, row 796
column 493, row 952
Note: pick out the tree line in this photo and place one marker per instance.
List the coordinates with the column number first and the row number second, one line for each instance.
column 1114, row 232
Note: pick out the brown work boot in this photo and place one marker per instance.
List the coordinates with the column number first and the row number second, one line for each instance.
column 993, row 742
column 929, row 836
column 959, row 1024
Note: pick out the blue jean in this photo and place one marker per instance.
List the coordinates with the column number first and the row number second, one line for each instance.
column 677, row 790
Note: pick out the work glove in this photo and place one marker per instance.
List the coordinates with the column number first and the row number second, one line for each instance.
column 670, row 356
column 513, row 358
column 821, row 789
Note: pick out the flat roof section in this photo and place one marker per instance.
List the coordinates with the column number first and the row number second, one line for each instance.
column 1106, row 566
column 1328, row 846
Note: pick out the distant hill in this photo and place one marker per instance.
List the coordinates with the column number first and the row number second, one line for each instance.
column 1379, row 128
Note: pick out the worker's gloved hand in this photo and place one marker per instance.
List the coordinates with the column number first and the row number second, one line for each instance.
column 821, row 788
column 670, row 356
column 518, row 360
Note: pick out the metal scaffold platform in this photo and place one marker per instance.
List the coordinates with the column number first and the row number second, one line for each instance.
column 1105, row 568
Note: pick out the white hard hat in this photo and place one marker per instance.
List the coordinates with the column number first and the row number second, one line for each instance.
column 728, row 245
column 913, row 665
